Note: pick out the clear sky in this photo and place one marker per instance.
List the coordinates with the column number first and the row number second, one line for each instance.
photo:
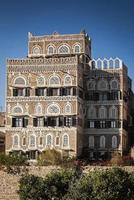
column 110, row 24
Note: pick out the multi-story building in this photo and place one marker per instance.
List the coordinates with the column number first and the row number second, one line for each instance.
column 2, row 131
column 58, row 97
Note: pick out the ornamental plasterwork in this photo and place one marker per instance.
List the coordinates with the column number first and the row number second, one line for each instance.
column 53, row 108
column 68, row 108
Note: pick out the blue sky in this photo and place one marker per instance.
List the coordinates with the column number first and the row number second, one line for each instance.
column 110, row 24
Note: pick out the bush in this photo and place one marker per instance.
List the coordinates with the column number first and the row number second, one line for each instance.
column 54, row 186
column 117, row 160
column 50, row 157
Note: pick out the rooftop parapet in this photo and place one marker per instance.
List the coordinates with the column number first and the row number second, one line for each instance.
column 106, row 64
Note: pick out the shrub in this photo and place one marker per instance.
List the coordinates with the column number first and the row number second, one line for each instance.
column 50, row 157
column 117, row 159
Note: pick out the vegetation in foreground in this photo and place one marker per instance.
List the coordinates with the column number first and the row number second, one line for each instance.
column 111, row 184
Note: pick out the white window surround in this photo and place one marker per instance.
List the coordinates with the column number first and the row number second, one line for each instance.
column 91, row 141
column 56, row 141
column 102, row 85
column 19, row 81
column 64, row 49
column 68, row 108
column 41, row 81
column 38, row 109
column 50, row 50
column 32, row 141
column 114, row 84
column 17, row 110
column 91, row 85
column 114, row 141
column 49, row 140
column 102, row 141
column 54, row 80
column 65, row 140
column 39, row 140
column 24, row 138
column 102, row 112
column 91, row 113
column 113, row 112
column 77, row 48
column 36, row 50
column 53, row 108
column 68, row 80
column 16, row 141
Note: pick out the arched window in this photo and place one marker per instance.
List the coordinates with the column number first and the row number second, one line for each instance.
column 54, row 81
column 32, row 140
column 40, row 141
column 91, row 85
column 68, row 108
column 77, row 48
column 53, row 109
column 38, row 109
column 17, row 110
column 117, row 63
column 99, row 64
column 113, row 112
column 91, row 141
column 114, row 84
column 41, row 81
column 105, row 64
column 111, row 64
column 102, row 141
column 23, row 141
column 91, row 113
column 20, row 81
column 50, row 50
column 63, row 49
column 102, row 112
column 57, row 141
column 114, row 141
column 68, row 80
column 48, row 140
column 65, row 140
column 102, row 85
column 16, row 140
column 36, row 50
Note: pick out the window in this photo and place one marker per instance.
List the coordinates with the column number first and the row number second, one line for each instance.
column 38, row 109
column 91, row 85
column 50, row 50
column 23, row 141
column 19, row 122
column 99, row 64
column 16, row 140
column 49, row 140
column 39, row 91
column 113, row 112
column 91, row 124
column 91, row 141
column 113, row 124
column 41, row 81
column 65, row 140
column 53, row 109
column 67, row 80
column 114, row 84
column 36, row 50
column 102, row 85
column 111, row 64
column 40, row 141
column 63, row 49
column 54, row 80
column 102, row 142
column 117, row 63
column 17, row 110
column 102, row 113
column 32, row 140
column 20, row 81
column 105, row 64
column 57, row 141
column 91, row 113
column 77, row 49
column 68, row 121
column 68, row 108
column 114, row 141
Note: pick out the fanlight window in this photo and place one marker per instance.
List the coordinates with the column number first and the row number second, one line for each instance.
column 102, row 142
column 99, row 64
column 36, row 50
column 91, row 141
column 16, row 140
column 17, row 110
column 49, row 140
column 114, row 141
column 111, row 64
column 117, row 63
column 24, row 141
column 102, row 85
column 64, row 49
column 68, row 80
column 65, row 140
column 41, row 81
column 77, row 49
column 68, row 108
column 32, row 140
column 114, row 84
column 19, row 81
column 105, row 64
column 102, row 113
column 50, row 50
column 54, row 80
column 53, row 109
